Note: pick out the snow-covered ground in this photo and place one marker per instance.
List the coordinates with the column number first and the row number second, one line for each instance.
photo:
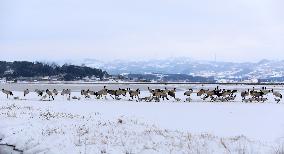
column 123, row 126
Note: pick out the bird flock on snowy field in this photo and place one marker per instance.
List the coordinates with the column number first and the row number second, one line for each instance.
column 155, row 95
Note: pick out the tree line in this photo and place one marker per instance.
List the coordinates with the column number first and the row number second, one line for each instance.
column 67, row 72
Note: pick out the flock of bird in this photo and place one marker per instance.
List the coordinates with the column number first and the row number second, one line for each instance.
column 215, row 95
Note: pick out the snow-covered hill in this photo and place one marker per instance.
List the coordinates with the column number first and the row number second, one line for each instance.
column 259, row 70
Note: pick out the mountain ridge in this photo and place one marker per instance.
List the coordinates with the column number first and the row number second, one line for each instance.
column 261, row 69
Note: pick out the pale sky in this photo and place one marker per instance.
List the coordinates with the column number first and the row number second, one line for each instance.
column 241, row 30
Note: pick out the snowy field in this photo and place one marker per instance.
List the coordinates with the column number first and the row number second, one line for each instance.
column 90, row 125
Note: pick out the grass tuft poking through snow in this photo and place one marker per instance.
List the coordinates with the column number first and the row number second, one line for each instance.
column 37, row 130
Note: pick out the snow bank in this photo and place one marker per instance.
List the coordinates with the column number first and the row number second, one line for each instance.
column 36, row 129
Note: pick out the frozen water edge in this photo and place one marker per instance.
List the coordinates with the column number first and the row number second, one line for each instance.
column 7, row 149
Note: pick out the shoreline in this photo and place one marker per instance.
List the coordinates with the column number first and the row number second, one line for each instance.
column 10, row 148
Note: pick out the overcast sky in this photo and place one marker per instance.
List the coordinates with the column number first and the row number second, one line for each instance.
column 241, row 30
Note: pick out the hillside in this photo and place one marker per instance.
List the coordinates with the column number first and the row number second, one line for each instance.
column 264, row 70
column 24, row 69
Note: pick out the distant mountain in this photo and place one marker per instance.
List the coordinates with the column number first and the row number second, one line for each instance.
column 262, row 69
